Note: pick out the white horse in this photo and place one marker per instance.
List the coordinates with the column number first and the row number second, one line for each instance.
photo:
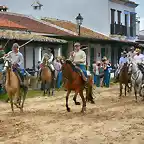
column 136, row 78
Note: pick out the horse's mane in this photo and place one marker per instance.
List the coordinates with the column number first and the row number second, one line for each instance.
column 67, row 70
column 141, row 67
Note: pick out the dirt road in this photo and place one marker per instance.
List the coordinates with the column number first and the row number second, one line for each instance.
column 46, row 121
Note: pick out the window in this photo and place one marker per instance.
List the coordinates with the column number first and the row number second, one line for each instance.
column 119, row 17
column 112, row 16
column 126, row 20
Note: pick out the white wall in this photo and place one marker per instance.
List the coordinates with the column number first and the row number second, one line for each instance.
column 121, row 8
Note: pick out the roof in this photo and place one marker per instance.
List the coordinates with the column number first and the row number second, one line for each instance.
column 3, row 7
column 33, row 24
column 7, row 34
column 126, row 2
column 85, row 32
column 4, row 23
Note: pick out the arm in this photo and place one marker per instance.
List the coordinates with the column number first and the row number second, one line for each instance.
column 51, row 58
column 71, row 56
column 21, row 59
column 120, row 61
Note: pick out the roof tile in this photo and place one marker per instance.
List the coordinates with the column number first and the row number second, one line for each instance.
column 85, row 32
column 5, row 23
column 32, row 24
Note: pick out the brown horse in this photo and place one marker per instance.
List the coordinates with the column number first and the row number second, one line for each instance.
column 47, row 78
column 74, row 82
column 124, row 78
column 12, row 86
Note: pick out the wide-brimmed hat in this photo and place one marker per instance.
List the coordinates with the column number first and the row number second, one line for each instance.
column 48, row 49
column 132, row 48
column 77, row 44
column 104, row 58
column 124, row 52
column 137, row 50
column 15, row 45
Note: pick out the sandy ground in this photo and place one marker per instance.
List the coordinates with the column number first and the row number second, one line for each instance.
column 46, row 121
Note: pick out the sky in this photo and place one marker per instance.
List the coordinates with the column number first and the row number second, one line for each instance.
column 52, row 8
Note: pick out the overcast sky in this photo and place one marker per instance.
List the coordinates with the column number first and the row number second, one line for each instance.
column 56, row 8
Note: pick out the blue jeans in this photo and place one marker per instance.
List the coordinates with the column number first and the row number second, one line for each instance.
column 94, row 79
column 83, row 68
column 59, row 79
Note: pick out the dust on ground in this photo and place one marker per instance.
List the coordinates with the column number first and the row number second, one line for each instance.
column 45, row 121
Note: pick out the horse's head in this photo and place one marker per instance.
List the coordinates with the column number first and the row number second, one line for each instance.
column 45, row 62
column 130, row 67
column 67, row 69
column 7, row 63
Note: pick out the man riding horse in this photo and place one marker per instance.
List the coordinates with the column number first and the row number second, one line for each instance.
column 123, row 59
column 78, row 57
column 17, row 60
column 47, row 59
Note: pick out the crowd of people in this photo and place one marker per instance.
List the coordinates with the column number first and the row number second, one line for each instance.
column 101, row 72
column 101, row 69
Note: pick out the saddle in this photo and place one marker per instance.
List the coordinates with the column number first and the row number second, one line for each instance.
column 77, row 70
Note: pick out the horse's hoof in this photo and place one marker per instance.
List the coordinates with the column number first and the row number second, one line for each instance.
column 68, row 109
column 83, row 110
column 77, row 103
column 21, row 110
column 92, row 102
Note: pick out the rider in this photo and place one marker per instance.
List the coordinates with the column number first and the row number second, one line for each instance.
column 79, row 59
column 123, row 59
column 131, row 53
column 138, row 57
column 47, row 56
column 17, row 60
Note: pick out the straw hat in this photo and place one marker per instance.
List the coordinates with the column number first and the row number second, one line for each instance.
column 104, row 58
column 137, row 50
column 15, row 45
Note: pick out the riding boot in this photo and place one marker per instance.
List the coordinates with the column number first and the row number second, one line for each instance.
column 21, row 79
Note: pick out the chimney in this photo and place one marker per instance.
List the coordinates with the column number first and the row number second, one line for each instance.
column 3, row 9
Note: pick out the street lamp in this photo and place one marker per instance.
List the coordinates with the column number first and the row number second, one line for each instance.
column 79, row 20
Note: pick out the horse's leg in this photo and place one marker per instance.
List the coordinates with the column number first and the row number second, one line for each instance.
column 67, row 97
column 89, row 92
column 120, row 86
column 43, row 84
column 53, row 86
column 131, row 86
column 74, row 99
column 135, row 91
column 48, row 88
column 11, row 101
column 83, row 100
column 25, row 90
column 125, row 88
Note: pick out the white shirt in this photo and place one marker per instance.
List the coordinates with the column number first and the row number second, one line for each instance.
column 79, row 57
column 16, row 58
column 139, row 58
column 122, row 60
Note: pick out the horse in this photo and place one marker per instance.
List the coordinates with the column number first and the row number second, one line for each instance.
column 16, row 93
column 47, row 79
column 136, row 78
column 124, row 78
column 74, row 82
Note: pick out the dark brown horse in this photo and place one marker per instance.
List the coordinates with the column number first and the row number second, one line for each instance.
column 124, row 78
column 74, row 82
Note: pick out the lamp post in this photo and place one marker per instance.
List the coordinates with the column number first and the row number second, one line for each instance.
column 79, row 20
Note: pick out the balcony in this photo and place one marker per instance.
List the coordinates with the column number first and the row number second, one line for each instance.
column 118, row 29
